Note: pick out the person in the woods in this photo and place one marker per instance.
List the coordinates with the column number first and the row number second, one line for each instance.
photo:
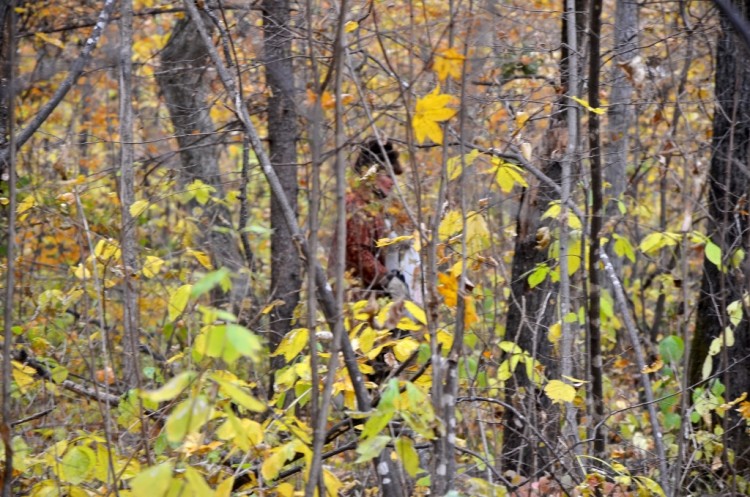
column 367, row 221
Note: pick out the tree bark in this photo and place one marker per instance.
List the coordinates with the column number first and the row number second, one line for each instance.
column 728, row 227
column 286, row 278
column 532, row 310
column 620, row 110
column 130, row 366
column 182, row 83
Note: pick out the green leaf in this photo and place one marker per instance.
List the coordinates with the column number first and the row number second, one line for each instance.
column 153, row 481
column 407, row 455
column 77, row 464
column 371, row 448
column 245, row 341
column 188, row 417
column 171, row 389
column 671, row 349
column 240, row 396
column 623, row 248
column 734, row 309
column 209, row 281
column 708, row 366
column 713, row 254
column 538, row 275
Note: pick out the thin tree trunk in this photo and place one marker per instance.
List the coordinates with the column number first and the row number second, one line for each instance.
column 7, row 53
column 620, row 110
column 597, row 211
column 182, row 82
column 128, row 248
column 286, row 268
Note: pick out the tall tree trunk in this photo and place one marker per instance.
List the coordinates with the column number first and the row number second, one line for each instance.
column 130, row 367
column 728, row 227
column 532, row 310
column 620, row 110
column 286, row 278
column 183, row 85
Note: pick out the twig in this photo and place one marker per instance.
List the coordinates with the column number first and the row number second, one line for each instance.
column 38, row 415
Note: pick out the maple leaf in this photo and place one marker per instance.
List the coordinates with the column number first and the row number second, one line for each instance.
column 448, row 288
column 448, row 62
column 431, row 110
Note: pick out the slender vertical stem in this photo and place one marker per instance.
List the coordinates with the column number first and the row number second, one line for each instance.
column 597, row 210
column 567, row 339
column 6, row 428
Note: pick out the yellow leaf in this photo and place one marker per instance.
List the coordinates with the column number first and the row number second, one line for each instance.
column 292, row 344
column 654, row 367
column 351, row 26
column 152, row 266
column 239, row 396
column 404, row 348
column 456, row 164
column 448, row 62
column 331, row 482
column 416, row 312
column 171, row 389
column 199, row 191
column 470, row 312
column 48, row 39
column 201, row 257
column 558, row 391
column 477, row 233
column 384, row 242
column 431, row 110
column 107, row 250
column 22, row 375
column 555, row 333
column 448, row 288
column 197, row 483
column 272, row 465
column 287, row 490
column 25, row 205
column 81, row 272
column 178, row 301
column 451, row 224
column 138, row 207
column 267, row 309
column 153, row 481
column 445, row 339
column 507, row 175
column 225, row 488
column 588, row 107
column 521, row 119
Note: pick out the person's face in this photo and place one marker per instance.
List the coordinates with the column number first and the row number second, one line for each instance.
column 383, row 185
